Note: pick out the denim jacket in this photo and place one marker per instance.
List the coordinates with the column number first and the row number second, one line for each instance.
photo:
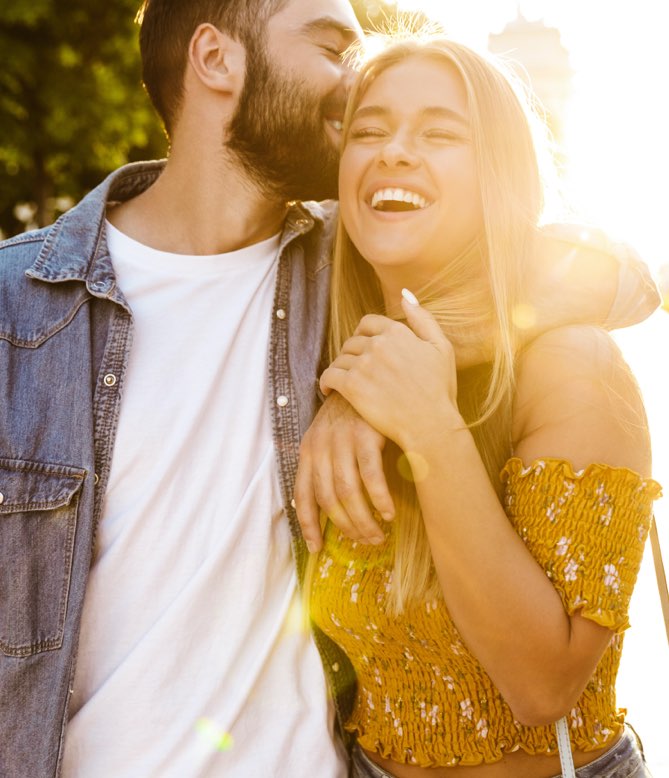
column 65, row 338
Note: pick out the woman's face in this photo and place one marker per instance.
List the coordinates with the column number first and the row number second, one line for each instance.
column 408, row 183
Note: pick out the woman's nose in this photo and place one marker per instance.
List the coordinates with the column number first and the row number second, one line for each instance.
column 397, row 152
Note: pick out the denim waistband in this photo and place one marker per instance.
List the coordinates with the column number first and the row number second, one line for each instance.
column 363, row 767
column 624, row 760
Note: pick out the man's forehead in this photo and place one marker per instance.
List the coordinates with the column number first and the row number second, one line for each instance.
column 304, row 16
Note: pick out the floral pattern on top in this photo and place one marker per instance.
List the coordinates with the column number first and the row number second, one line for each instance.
column 422, row 697
column 592, row 543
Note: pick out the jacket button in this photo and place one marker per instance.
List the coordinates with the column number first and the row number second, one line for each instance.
column 110, row 379
column 280, row 314
column 335, row 667
column 282, row 401
column 2, row 498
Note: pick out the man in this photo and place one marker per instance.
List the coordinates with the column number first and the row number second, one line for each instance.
column 159, row 347
column 147, row 581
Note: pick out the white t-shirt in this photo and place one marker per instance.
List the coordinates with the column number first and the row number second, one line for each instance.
column 193, row 660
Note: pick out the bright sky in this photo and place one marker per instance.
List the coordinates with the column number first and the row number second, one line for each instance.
column 618, row 123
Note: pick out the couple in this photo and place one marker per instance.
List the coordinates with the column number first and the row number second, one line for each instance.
column 160, row 345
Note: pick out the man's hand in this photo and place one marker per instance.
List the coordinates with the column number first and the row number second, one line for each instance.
column 341, row 470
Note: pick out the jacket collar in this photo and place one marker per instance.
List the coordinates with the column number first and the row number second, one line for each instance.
column 75, row 247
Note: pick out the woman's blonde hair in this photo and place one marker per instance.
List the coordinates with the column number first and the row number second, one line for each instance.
column 476, row 293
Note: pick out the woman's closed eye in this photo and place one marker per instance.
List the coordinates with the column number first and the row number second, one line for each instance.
column 367, row 131
column 442, row 134
column 437, row 134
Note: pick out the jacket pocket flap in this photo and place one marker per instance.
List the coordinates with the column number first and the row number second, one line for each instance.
column 37, row 486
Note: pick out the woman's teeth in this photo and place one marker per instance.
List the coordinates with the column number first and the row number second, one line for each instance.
column 397, row 199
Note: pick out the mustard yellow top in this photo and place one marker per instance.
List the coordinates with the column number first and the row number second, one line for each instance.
column 422, row 698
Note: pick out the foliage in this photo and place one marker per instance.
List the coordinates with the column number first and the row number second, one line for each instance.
column 373, row 14
column 71, row 104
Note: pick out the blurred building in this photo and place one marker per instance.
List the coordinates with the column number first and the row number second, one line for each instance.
column 543, row 63
column 663, row 282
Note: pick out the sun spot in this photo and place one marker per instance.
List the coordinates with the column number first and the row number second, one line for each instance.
column 524, row 316
column 413, row 467
column 296, row 621
column 216, row 737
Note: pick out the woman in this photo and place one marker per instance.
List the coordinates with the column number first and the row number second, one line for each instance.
column 495, row 605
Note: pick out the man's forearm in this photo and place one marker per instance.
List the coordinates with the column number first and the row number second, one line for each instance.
column 580, row 276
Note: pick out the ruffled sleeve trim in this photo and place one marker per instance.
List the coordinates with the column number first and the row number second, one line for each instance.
column 586, row 528
column 515, row 468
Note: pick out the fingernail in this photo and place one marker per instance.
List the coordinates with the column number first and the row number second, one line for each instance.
column 387, row 516
column 410, row 297
column 376, row 540
column 312, row 547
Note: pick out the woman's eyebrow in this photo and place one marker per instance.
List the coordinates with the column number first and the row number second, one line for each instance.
column 441, row 112
column 430, row 111
column 370, row 110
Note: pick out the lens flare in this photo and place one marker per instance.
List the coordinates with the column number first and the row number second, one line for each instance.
column 524, row 316
column 219, row 740
column 413, row 467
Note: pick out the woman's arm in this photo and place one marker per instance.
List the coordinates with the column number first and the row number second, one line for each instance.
column 576, row 400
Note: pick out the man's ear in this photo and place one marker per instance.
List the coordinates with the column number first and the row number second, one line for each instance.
column 218, row 60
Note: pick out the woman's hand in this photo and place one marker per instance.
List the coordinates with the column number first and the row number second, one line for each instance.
column 400, row 378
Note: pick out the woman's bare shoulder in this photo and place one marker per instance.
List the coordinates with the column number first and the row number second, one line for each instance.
column 577, row 399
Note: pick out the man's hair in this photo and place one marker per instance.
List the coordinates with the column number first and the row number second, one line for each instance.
column 166, row 30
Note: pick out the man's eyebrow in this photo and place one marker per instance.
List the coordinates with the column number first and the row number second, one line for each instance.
column 330, row 24
column 436, row 111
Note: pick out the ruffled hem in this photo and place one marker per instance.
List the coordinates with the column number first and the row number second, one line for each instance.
column 473, row 759
column 515, row 467
column 609, row 619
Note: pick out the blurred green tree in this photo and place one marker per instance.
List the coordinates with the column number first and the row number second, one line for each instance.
column 71, row 103
column 371, row 13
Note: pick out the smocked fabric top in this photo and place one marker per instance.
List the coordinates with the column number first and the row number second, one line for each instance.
column 422, row 698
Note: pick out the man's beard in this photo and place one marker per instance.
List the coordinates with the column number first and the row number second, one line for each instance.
column 278, row 134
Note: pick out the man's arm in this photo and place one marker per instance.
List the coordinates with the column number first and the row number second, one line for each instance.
column 581, row 276
column 341, row 472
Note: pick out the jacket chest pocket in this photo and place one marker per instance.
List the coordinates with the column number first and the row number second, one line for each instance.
column 38, row 519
